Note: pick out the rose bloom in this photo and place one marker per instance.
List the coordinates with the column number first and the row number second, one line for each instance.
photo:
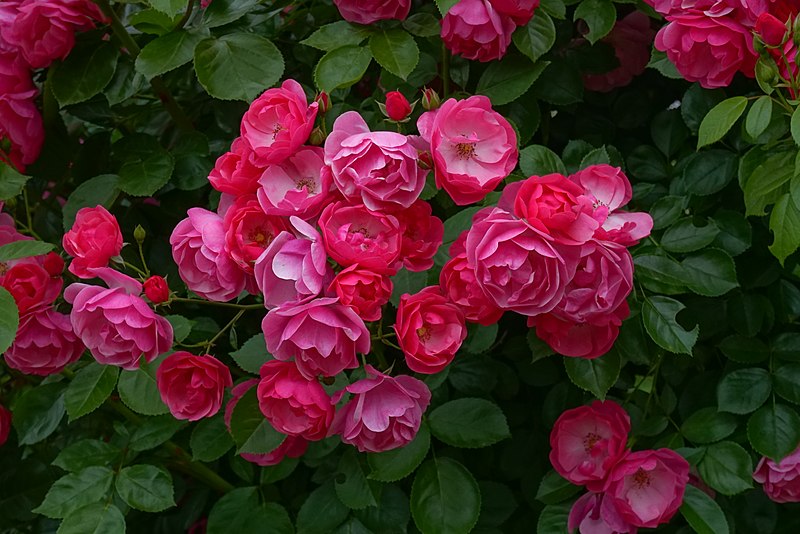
column 278, row 123
column 474, row 148
column 422, row 236
column 631, row 39
column 520, row 11
column 590, row 339
column 380, row 169
column 457, row 283
column 369, row 11
column 300, row 185
column 397, row 106
column 234, row 173
column 430, row 330
column 31, row 285
column 198, row 247
column 92, row 241
column 475, row 29
column 384, row 412
column 586, row 442
column 156, row 289
column 363, row 290
column 322, row 336
column 293, row 404
column 249, row 231
column 115, row 324
column 781, row 480
column 192, row 386
column 5, row 424
column 20, row 121
column 771, row 29
column 592, row 514
column 646, row 487
column 8, row 229
column 45, row 344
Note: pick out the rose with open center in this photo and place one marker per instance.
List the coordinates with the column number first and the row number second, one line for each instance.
column 249, row 231
column 300, row 185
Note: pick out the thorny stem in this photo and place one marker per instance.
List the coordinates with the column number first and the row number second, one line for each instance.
column 210, row 343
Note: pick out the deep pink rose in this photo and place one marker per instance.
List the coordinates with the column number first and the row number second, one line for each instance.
column 355, row 235
column 474, row 29
column 45, row 344
column 586, row 442
column 474, row 148
column 278, row 123
column 369, row 11
column 457, row 282
column 300, row 185
column 249, row 231
column 589, row 516
column 397, row 106
column 92, row 241
column 781, row 480
column 631, row 38
column 53, row 263
column 589, row 339
column 430, row 330
column 198, row 247
column 192, row 386
column 646, row 487
column 520, row 11
column 422, row 236
column 156, row 289
column 384, row 412
column 771, row 29
column 20, row 121
column 293, row 404
column 32, row 287
column 5, row 424
column 380, row 169
column 363, row 290
column 234, row 173
column 321, row 335
column 116, row 324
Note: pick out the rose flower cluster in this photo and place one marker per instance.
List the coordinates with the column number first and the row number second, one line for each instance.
column 627, row 490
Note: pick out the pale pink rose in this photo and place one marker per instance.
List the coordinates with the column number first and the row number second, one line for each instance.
column 300, row 185
column 781, row 480
column 116, row 324
column 520, row 11
column 589, row 516
column 380, row 169
column 589, row 339
column 5, row 424
column 363, row 290
column 631, row 39
column 646, row 487
column 474, row 29
column 293, row 404
column 20, row 121
column 92, row 241
column 369, row 11
column 355, row 235
column 384, row 412
column 249, row 231
column 322, row 335
column 293, row 268
column 474, row 148
column 192, row 386
column 587, row 442
column 457, row 282
column 234, row 173
column 198, row 247
column 8, row 229
column 278, row 123
column 45, row 344
column 422, row 236
column 31, row 285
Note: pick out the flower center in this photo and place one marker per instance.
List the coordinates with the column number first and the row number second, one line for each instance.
column 260, row 237
column 309, row 183
column 641, row 479
column 277, row 128
column 423, row 333
column 465, row 150
column 589, row 441
column 3, row 268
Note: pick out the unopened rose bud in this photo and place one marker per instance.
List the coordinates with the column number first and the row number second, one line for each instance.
column 317, row 137
column 430, row 99
column 766, row 75
column 771, row 30
column 139, row 234
column 397, row 107
column 156, row 289
column 324, row 102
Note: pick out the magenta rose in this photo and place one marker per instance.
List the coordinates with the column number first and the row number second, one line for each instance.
column 475, row 29
column 384, row 412
column 278, row 123
column 198, row 247
column 591, row 514
column 293, row 404
column 369, row 11
column 781, row 480
column 300, row 185
column 380, row 169
column 631, row 39
column 20, row 121
column 45, row 344
column 520, row 11
column 192, row 386
column 92, row 241
column 363, row 290
column 5, row 424
column 474, row 148
column 430, row 330
column 646, row 487
column 322, row 335
column 32, row 287
column 457, row 282
column 422, row 236
column 587, row 442
column 156, row 289
column 116, row 324
column 249, row 231
column 234, row 173
column 589, row 339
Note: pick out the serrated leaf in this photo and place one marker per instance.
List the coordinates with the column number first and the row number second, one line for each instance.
column 537, row 37
column 537, row 160
column 38, row 412
column 335, row 35
column 75, row 490
column 395, row 50
column 708, row 425
column 702, row 513
column 86, row 71
column 139, row 391
column 786, row 381
column 508, row 79
column 168, row 7
column 659, row 316
column 759, row 116
column 210, row 439
column 784, row 221
column 599, row 15
column 221, row 12
column 322, row 511
column 89, row 389
column 252, row 355
column 250, row 429
column 684, row 236
column 101, row 190
column 11, row 182
column 774, row 430
column 342, row 67
column 727, row 468
column 743, row 391
column 85, row 453
column 154, row 431
column 146, row 166
column 596, row 375
column 445, row 498
column 96, row 518
column 9, row 319
column 146, row 488
column 795, row 126
column 23, row 249
column 351, row 484
column 469, row 423
column 396, row 464
column 239, row 511
column 554, row 488
column 710, row 272
column 720, row 119
column 767, row 180
column 168, row 52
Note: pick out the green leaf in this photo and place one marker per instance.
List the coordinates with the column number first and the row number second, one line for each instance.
column 154, row 431
column 759, row 116
column 795, row 126
column 720, row 120
column 785, row 225
column 774, row 430
column 395, row 50
column 710, row 272
column 743, row 349
column 398, row 463
column 786, row 381
column 250, row 429
column 445, row 497
column 537, row 37
column 735, row 233
column 660, row 273
column 146, row 165
column 146, row 488
column 335, row 35
column 406, row 281
column 11, row 182
column 480, row 338
column 210, row 439
column 554, row 488
column 469, row 423
column 508, row 79
column 710, row 171
column 708, row 425
column 221, row 12
column 23, row 249
column 252, row 355
column 239, row 511
column 169, row 7
column 96, row 518
column 101, row 190
column 727, row 468
column 743, row 391
column 392, row 514
column 667, row 210
column 351, row 484
column 342, row 67
column 139, row 391
column 660, row 62
column 38, row 412
column 445, row 5
column 702, row 513
column 125, row 83
column 538, row 160
column 767, row 181
column 168, row 52
column 599, row 15
column 659, row 316
column 321, row 512
column 596, row 375
column 75, row 490
column 181, row 326
column 553, row 519
column 421, row 25
column 86, row 71
column 85, row 453
column 685, row 236
column 9, row 319
column 560, row 85
column 237, row 66
column 89, row 389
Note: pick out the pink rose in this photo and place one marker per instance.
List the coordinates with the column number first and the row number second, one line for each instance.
column 380, row 169
column 397, row 106
column 781, row 480
column 234, row 173
column 8, row 230
column 520, row 11
column 430, row 330
column 322, row 335
column 384, row 412
column 588, row 339
column 422, row 236
column 278, row 123
column 591, row 514
column 355, row 235
column 293, row 404
column 249, row 231
column 475, row 29
column 631, row 39
column 115, row 324
column 457, row 282
column 192, row 386
column 300, row 185
column 156, row 289
column 369, row 11
column 5, row 424
column 92, row 241
column 587, row 442
column 363, row 290
column 646, row 487
column 45, row 344
column 771, row 29
column 30, row 284
column 474, row 148
column 20, row 121
column 198, row 247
